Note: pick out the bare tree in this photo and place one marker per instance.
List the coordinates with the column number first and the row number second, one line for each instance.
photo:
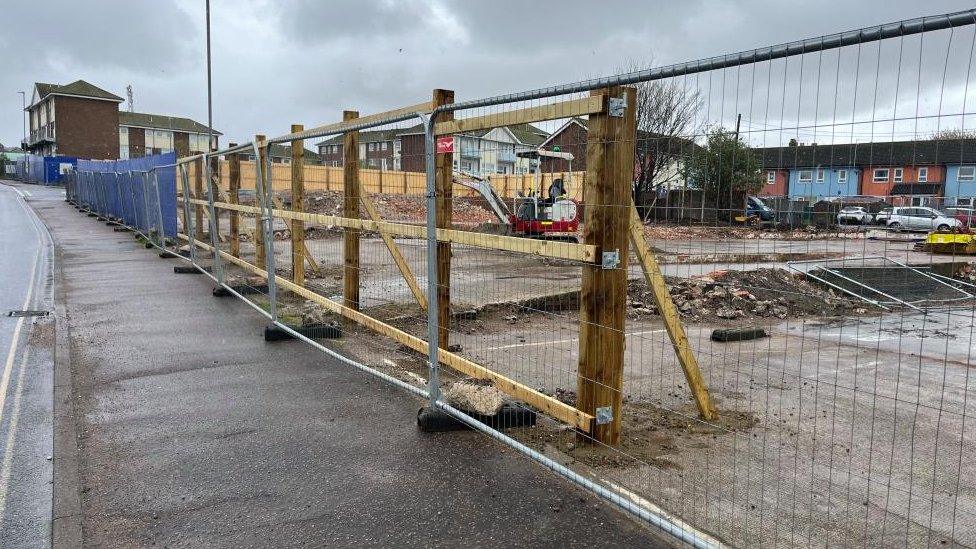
column 952, row 134
column 667, row 124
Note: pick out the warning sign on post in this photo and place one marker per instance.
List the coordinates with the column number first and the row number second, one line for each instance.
column 445, row 144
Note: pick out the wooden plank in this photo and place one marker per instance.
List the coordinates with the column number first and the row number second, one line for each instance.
column 398, row 258
column 546, row 404
column 350, row 209
column 298, row 205
column 563, row 109
column 198, row 194
column 233, row 195
column 570, row 251
column 443, row 189
column 259, row 253
column 603, row 295
column 672, row 320
column 340, row 127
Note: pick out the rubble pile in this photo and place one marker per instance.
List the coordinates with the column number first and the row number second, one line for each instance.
column 684, row 232
column 403, row 208
column 730, row 295
column 966, row 273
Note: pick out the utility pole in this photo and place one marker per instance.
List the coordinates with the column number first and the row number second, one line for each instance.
column 210, row 146
column 738, row 122
column 23, row 112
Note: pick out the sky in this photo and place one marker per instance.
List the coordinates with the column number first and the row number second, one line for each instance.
column 304, row 61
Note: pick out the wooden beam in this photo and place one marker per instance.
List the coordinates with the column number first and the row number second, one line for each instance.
column 570, row 251
column 547, row 404
column 443, row 189
column 259, row 253
column 350, row 209
column 563, row 109
column 298, row 205
column 198, row 194
column 398, row 258
column 672, row 320
column 603, row 296
column 340, row 127
column 233, row 195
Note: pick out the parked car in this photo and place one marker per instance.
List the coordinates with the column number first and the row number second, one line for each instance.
column 916, row 218
column 854, row 215
column 759, row 209
column 966, row 216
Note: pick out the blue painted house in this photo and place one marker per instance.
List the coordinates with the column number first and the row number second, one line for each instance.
column 818, row 183
column 960, row 184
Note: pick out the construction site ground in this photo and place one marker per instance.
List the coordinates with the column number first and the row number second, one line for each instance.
column 802, row 391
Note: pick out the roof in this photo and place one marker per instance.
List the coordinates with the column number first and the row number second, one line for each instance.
column 526, row 134
column 284, row 150
column 660, row 141
column 915, row 189
column 161, row 122
column 861, row 155
column 78, row 87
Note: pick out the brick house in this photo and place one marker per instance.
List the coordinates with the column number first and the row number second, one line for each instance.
column 484, row 152
column 143, row 134
column 281, row 154
column 83, row 120
column 378, row 149
column 77, row 119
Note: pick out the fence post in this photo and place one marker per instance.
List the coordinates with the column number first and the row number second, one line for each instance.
column 259, row 258
column 198, row 194
column 298, row 205
column 187, row 219
column 603, row 295
column 350, row 209
column 233, row 196
column 443, row 183
column 214, row 223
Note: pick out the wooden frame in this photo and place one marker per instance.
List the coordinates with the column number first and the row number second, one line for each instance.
column 443, row 214
column 298, row 205
column 563, row 109
column 569, row 251
column 350, row 209
column 547, row 404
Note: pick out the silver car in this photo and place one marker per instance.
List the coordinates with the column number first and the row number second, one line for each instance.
column 857, row 215
column 918, row 218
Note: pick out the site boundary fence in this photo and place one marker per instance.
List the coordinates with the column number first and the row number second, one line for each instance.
column 420, row 285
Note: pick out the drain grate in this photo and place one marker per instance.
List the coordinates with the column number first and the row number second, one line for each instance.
column 28, row 313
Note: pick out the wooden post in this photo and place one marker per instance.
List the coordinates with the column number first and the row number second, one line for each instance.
column 350, row 209
column 603, row 296
column 444, row 184
column 198, row 194
column 233, row 194
column 298, row 205
column 259, row 194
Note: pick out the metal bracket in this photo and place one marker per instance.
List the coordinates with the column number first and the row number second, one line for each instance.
column 604, row 415
column 616, row 106
column 611, row 259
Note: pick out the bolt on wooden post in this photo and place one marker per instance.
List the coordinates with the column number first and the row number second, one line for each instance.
column 259, row 196
column 233, row 194
column 298, row 205
column 443, row 183
column 603, row 295
column 350, row 209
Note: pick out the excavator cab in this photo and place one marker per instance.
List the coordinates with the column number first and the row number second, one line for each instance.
column 551, row 216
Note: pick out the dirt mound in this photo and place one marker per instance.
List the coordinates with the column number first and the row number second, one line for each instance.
column 730, row 295
column 396, row 207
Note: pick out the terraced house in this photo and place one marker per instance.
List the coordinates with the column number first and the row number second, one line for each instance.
column 915, row 173
column 82, row 120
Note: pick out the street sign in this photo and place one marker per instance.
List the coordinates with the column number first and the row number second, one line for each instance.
column 445, row 144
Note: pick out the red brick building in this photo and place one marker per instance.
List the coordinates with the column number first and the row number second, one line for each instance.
column 84, row 121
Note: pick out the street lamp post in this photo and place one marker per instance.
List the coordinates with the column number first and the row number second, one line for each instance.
column 23, row 110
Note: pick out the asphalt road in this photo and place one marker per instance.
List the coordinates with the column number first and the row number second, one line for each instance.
column 192, row 431
column 26, row 375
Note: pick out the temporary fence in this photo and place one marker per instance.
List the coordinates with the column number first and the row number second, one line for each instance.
column 677, row 368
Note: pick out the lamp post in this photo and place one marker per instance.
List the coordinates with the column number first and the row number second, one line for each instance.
column 23, row 110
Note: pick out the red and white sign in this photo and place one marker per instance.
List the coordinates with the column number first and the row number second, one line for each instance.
column 445, row 145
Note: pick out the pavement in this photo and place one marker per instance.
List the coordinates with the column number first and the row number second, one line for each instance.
column 192, row 431
column 26, row 376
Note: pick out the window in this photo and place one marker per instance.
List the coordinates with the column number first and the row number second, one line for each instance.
column 821, row 175
column 771, row 177
column 899, row 175
column 123, row 142
column 384, row 145
column 162, row 140
column 43, row 110
column 842, row 176
column 806, row 176
column 967, row 173
column 923, row 175
column 881, row 175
